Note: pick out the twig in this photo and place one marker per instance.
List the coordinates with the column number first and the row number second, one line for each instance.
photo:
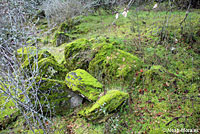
column 176, row 118
column 187, row 12
column 130, row 3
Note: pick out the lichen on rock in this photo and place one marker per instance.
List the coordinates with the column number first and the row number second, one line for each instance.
column 105, row 105
column 83, row 83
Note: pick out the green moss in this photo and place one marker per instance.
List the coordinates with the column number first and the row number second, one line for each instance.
column 114, row 63
column 49, row 68
column 24, row 52
column 82, row 82
column 82, row 126
column 60, row 38
column 101, row 58
column 156, row 74
column 157, row 77
column 9, row 112
column 157, row 131
column 36, row 131
column 30, row 60
column 66, row 26
column 53, row 94
column 78, row 54
column 65, row 33
column 105, row 105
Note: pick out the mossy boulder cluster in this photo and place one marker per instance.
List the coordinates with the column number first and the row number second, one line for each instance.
column 101, row 58
column 66, row 85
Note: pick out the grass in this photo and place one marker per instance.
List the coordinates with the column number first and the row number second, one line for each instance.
column 165, row 92
column 164, row 102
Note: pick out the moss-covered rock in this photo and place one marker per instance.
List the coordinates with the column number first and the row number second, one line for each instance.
column 78, row 54
column 111, row 62
column 65, row 32
column 24, row 52
column 55, row 95
column 158, row 77
column 105, row 105
column 49, row 68
column 45, row 63
column 101, row 58
column 61, row 37
column 83, row 83
column 9, row 112
column 155, row 73
column 30, row 60
column 66, row 27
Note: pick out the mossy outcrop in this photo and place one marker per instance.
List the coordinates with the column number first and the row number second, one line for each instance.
column 83, row 83
column 27, row 55
column 55, row 95
column 105, row 105
column 101, row 58
column 49, row 68
column 159, row 77
column 114, row 63
column 78, row 54
column 46, row 64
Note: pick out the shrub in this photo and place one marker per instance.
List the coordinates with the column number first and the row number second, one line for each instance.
column 57, row 11
column 108, row 5
column 18, row 30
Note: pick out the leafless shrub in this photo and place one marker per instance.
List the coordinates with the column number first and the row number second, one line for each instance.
column 107, row 5
column 17, row 27
column 57, row 11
